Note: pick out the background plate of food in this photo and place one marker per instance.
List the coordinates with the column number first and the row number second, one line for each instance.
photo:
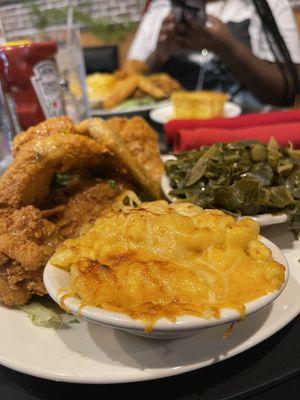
column 244, row 178
column 191, row 105
column 131, row 107
column 129, row 90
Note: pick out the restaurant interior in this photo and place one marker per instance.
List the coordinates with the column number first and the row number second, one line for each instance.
column 150, row 199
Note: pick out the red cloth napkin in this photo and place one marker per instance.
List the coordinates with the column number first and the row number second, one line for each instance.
column 188, row 139
column 187, row 134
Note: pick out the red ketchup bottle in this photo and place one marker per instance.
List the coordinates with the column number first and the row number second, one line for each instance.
column 30, row 82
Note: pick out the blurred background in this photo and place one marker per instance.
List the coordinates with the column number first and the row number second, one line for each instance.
column 102, row 22
column 93, row 38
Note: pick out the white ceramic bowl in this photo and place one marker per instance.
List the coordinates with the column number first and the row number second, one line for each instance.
column 56, row 280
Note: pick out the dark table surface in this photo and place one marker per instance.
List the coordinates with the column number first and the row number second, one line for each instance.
column 270, row 371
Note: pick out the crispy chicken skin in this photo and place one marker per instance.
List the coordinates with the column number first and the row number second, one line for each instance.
column 62, row 124
column 141, row 140
column 123, row 154
column 27, row 241
column 30, row 239
column 36, row 216
column 165, row 82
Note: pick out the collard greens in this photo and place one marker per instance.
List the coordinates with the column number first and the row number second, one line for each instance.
column 246, row 178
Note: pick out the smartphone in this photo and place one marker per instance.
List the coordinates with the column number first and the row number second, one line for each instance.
column 185, row 10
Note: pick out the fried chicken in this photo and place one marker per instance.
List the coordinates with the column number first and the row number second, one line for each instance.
column 123, row 155
column 31, row 239
column 121, row 91
column 62, row 124
column 132, row 67
column 38, row 211
column 141, row 140
column 158, row 86
column 166, row 83
column 27, row 241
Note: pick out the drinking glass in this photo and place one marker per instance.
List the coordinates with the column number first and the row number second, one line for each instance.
column 7, row 132
column 71, row 68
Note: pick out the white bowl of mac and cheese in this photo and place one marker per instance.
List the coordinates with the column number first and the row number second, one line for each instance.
column 167, row 271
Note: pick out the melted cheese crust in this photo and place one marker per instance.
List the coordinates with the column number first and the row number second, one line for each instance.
column 160, row 260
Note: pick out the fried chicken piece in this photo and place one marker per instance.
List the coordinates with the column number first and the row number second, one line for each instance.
column 31, row 239
column 93, row 198
column 121, row 92
column 149, row 88
column 61, row 124
column 127, row 87
column 142, row 142
column 28, row 178
column 34, row 220
column 116, row 123
column 99, row 130
column 26, row 242
column 132, row 67
column 11, row 294
column 22, row 250
column 166, row 83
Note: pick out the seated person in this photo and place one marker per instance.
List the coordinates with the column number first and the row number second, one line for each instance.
column 247, row 48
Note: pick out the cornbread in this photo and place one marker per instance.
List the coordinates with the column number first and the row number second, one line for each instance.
column 201, row 104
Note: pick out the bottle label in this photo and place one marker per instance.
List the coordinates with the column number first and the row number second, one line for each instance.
column 45, row 83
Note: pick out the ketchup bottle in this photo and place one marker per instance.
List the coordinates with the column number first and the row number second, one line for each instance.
column 30, row 82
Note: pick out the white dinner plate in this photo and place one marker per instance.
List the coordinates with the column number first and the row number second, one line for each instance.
column 89, row 353
column 134, row 110
column 163, row 114
column 262, row 219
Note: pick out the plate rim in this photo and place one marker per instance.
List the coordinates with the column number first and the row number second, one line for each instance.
column 145, row 108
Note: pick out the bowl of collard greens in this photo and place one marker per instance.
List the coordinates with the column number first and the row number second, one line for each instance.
column 242, row 178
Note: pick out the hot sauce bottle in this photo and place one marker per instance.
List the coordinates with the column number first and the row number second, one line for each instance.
column 30, row 82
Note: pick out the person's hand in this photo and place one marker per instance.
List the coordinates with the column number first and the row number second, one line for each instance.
column 214, row 36
column 167, row 39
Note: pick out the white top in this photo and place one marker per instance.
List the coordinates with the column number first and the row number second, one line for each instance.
column 146, row 37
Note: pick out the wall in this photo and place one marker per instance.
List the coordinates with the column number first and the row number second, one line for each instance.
column 17, row 22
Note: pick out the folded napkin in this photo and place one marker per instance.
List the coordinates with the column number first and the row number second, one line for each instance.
column 188, row 139
column 188, row 134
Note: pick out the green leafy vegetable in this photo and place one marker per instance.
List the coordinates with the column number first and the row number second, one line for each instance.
column 48, row 314
column 113, row 184
column 245, row 177
column 41, row 315
column 199, row 168
column 132, row 103
column 59, row 180
column 242, row 196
